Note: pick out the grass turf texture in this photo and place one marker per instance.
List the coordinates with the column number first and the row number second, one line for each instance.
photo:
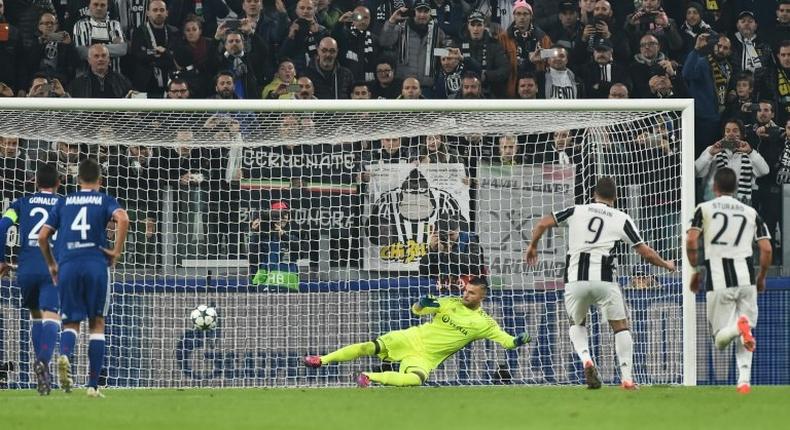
column 455, row 408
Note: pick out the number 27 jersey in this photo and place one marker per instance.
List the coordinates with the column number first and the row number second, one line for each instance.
column 81, row 222
column 593, row 232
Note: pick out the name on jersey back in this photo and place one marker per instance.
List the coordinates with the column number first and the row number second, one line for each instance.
column 84, row 200
column 599, row 211
column 40, row 200
column 727, row 206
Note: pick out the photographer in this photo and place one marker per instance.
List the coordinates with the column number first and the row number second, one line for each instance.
column 358, row 46
column 651, row 18
column 453, row 254
column 741, row 103
column 284, row 84
column 734, row 152
column 43, row 86
column 273, row 249
column 602, row 27
column 650, row 62
column 304, row 34
column 53, row 52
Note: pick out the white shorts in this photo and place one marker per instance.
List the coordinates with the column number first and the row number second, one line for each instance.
column 579, row 296
column 724, row 306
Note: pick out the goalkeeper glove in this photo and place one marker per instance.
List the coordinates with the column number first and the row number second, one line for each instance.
column 522, row 339
column 428, row 302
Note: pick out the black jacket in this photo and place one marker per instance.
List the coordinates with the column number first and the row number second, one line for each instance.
column 336, row 84
column 82, row 86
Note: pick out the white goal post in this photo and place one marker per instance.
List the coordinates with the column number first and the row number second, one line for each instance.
column 350, row 272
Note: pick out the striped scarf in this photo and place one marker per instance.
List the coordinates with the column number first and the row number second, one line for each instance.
column 721, row 71
column 744, row 193
column 367, row 51
column 783, row 167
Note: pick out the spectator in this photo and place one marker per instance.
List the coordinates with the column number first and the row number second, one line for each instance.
column 12, row 167
column 471, row 87
column 68, row 156
column 781, row 82
column 243, row 65
column 618, row 91
column 769, row 141
column 327, row 13
column 693, row 26
column 358, row 46
column 666, row 86
column 558, row 82
column 274, row 22
column 414, row 39
column 411, row 89
column 781, row 31
column 10, row 52
column 152, row 50
column 708, row 73
column 566, row 31
column 599, row 75
column 507, row 153
column 52, row 53
column 224, row 86
column 649, row 62
column 180, row 11
column 448, row 81
column 100, row 81
column 178, row 89
column 764, row 132
column 195, row 57
column 284, row 84
column 386, row 85
column 360, row 91
column 741, row 104
column 306, row 89
column 99, row 28
column 433, row 149
column 487, row 55
column 331, row 80
column 453, row 254
column 563, row 149
column 734, row 152
column 520, row 40
column 651, row 18
column 274, row 250
column 390, row 150
column 42, row 86
column 751, row 53
column 528, row 87
column 602, row 27
column 305, row 33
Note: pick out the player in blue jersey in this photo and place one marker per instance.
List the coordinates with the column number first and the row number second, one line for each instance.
column 82, row 270
column 39, row 294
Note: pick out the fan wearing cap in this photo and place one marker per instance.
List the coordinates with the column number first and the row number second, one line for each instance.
column 601, row 25
column 693, row 26
column 273, row 249
column 414, row 39
column 358, row 45
column 304, row 34
column 602, row 72
column 749, row 51
column 487, row 55
column 520, row 39
column 651, row 18
column 566, row 30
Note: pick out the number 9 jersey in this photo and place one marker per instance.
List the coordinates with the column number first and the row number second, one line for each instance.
column 593, row 232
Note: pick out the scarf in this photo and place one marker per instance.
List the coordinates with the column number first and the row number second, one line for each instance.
column 158, row 73
column 744, row 193
column 783, row 167
column 239, row 68
column 606, row 72
column 696, row 30
column 367, row 50
column 466, row 50
column 642, row 60
column 721, row 72
column 750, row 58
column 524, row 43
column 783, row 88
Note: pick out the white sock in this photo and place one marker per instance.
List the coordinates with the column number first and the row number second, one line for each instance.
column 624, row 347
column 726, row 335
column 743, row 359
column 578, row 334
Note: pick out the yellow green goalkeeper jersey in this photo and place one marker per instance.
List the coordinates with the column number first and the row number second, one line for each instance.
column 453, row 327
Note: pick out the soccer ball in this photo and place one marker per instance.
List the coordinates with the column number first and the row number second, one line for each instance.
column 204, row 317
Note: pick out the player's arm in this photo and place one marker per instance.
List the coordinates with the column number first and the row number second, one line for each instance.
column 766, row 252
column 425, row 306
column 692, row 249
column 507, row 341
column 121, row 220
column 9, row 218
column 545, row 223
column 652, row 257
column 43, row 244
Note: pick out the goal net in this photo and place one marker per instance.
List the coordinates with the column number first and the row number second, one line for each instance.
column 312, row 225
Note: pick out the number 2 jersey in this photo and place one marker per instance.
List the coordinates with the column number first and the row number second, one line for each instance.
column 728, row 229
column 81, row 220
column 593, row 232
column 31, row 213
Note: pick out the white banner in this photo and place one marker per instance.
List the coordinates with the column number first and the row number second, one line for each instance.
column 511, row 200
column 405, row 200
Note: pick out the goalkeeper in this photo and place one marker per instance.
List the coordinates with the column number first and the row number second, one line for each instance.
column 457, row 322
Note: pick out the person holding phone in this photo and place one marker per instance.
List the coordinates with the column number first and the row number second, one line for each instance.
column 358, row 45
column 284, row 85
column 53, row 52
column 735, row 152
column 520, row 39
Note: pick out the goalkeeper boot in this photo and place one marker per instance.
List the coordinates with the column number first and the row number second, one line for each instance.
column 744, row 388
column 746, row 333
column 313, row 361
column 64, row 373
column 629, row 385
column 43, row 385
column 363, row 381
column 591, row 376
column 94, row 392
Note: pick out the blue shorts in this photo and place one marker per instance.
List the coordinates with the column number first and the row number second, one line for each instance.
column 84, row 287
column 38, row 292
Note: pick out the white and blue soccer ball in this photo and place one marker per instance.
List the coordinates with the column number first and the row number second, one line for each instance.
column 204, row 317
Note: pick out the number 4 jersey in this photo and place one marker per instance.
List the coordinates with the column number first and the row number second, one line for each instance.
column 729, row 228
column 31, row 213
column 593, row 232
column 80, row 220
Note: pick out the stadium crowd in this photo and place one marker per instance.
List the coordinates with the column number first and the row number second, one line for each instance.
column 731, row 56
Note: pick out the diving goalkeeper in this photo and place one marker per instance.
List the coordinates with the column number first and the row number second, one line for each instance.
column 457, row 322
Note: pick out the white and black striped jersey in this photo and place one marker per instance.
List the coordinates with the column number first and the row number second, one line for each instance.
column 728, row 228
column 88, row 31
column 593, row 232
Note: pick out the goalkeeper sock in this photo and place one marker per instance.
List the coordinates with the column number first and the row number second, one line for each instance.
column 68, row 338
column 95, row 358
column 350, row 352
column 624, row 347
column 49, row 335
column 743, row 359
column 395, row 379
column 726, row 335
column 35, row 335
column 578, row 334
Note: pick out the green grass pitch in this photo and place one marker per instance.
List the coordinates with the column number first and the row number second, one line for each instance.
column 452, row 408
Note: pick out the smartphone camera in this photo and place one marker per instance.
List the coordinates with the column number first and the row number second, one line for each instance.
column 545, row 54
column 441, row 52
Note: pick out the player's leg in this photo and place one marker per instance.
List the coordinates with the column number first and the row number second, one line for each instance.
column 96, row 346
column 746, row 309
column 48, row 307
column 722, row 316
column 74, row 311
column 96, row 279
column 30, row 293
column 577, row 300
column 414, row 371
column 346, row 353
column 614, row 309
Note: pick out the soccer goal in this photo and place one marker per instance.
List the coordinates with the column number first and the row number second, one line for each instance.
column 306, row 226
